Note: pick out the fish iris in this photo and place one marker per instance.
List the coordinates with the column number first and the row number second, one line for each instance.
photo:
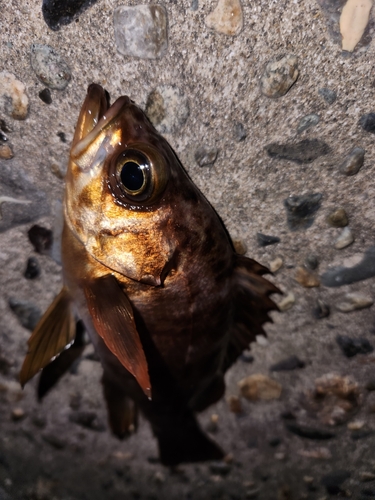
column 132, row 176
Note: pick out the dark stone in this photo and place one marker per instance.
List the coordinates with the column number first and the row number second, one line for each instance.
column 339, row 276
column 334, row 480
column 88, row 419
column 41, row 238
column 305, row 151
column 361, row 434
column 28, row 314
column 370, row 385
column 311, row 262
column 246, row 357
column 240, row 133
column 264, row 240
column 62, row 136
column 367, row 122
column 328, row 95
column 32, row 270
column 220, row 468
column 45, row 96
column 353, row 162
column 55, row 441
column 205, row 156
column 291, row 363
column 288, row 415
column 307, row 121
column 194, row 4
column 309, row 432
column 58, row 13
column 29, row 204
column 301, row 210
column 274, row 442
column 321, row 310
column 351, row 347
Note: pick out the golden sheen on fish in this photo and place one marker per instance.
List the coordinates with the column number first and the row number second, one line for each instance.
column 151, row 273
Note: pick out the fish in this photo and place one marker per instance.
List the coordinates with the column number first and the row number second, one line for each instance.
column 150, row 271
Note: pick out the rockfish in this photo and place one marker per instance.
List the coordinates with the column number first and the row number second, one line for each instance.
column 150, row 271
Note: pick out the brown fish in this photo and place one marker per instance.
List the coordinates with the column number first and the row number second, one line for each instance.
column 149, row 268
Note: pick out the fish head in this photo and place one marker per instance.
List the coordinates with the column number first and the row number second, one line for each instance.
column 121, row 188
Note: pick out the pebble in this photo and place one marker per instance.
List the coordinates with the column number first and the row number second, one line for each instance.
column 247, row 357
column 18, row 414
column 6, row 152
column 58, row 13
column 309, row 432
column 328, row 95
column 41, row 238
column 252, row 493
column 353, row 346
column 353, row 162
column 32, row 270
column 306, row 122
column 345, row 239
column 45, row 96
column 321, row 310
column 141, row 30
column 305, row 151
column 206, row 156
column 291, row 363
column 20, row 201
column 276, row 264
column 306, row 278
column 365, row 477
column 353, row 301
column 356, row 425
column 167, row 108
column 240, row 246
column 54, row 440
column 353, row 21
column 258, row 386
column 88, row 419
column 235, row 404
column 339, row 276
column 27, row 313
column 49, row 66
column 301, row 210
column 279, row 75
column 287, row 302
column 220, row 468
column 13, row 98
column 226, row 18
column 312, row 262
column 367, row 122
column 338, row 218
column 265, row 240
column 239, row 133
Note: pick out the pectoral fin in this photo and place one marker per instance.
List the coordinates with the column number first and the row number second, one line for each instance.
column 54, row 332
column 113, row 319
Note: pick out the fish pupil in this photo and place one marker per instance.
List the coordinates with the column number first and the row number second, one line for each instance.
column 132, row 176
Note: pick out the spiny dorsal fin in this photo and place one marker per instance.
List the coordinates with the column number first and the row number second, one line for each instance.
column 251, row 306
column 113, row 318
column 54, row 332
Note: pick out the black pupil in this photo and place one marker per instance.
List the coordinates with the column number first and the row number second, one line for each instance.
column 132, row 176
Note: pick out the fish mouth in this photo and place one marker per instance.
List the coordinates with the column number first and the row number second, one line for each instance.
column 99, row 116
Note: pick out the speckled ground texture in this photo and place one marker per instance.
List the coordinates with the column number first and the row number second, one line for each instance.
column 43, row 453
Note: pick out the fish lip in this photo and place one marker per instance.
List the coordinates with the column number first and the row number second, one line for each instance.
column 110, row 115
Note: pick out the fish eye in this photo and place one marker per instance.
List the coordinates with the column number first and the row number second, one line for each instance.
column 138, row 176
column 133, row 172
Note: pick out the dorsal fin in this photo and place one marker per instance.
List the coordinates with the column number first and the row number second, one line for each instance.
column 54, row 332
column 251, row 306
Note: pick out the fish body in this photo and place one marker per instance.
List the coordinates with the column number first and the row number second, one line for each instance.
column 149, row 268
